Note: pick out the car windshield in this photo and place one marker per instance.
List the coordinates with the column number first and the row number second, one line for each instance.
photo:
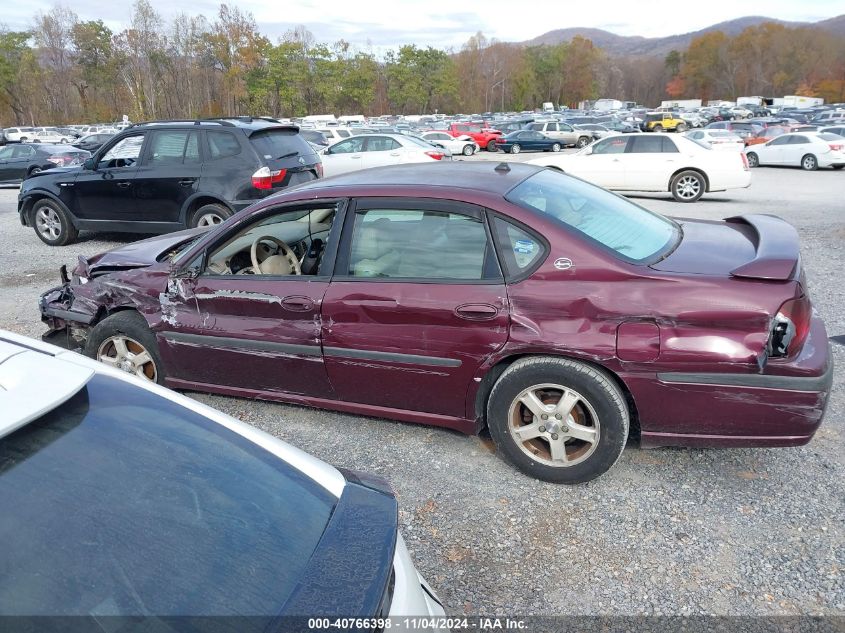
column 119, row 502
column 629, row 231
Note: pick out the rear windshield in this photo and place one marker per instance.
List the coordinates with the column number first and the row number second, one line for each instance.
column 274, row 144
column 628, row 231
column 123, row 503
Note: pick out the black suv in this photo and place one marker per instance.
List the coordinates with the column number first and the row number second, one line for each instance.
column 165, row 176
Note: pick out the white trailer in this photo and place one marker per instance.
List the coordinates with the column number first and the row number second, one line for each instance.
column 681, row 103
column 799, row 101
column 758, row 101
column 607, row 105
column 346, row 119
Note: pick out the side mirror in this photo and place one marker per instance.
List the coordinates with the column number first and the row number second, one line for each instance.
column 89, row 164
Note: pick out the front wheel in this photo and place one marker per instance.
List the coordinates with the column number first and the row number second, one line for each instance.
column 52, row 224
column 753, row 160
column 124, row 341
column 809, row 163
column 687, row 186
column 556, row 147
column 515, row 148
column 681, row 128
column 583, row 141
column 557, row 419
column 468, row 150
column 209, row 215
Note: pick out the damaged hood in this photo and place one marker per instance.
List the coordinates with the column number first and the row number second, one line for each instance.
column 138, row 254
column 749, row 246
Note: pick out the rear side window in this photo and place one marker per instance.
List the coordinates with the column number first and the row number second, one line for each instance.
column 381, row 144
column 519, row 250
column 222, row 145
column 123, row 503
column 646, row 144
column 174, row 147
column 274, row 144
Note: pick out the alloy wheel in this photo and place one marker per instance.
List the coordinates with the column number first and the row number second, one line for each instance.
column 210, row 219
column 554, row 425
column 127, row 354
column 688, row 187
column 48, row 223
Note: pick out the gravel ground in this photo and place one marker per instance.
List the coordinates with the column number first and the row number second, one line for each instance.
column 668, row 531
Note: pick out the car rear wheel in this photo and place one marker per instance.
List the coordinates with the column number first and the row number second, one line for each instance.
column 583, row 141
column 515, row 148
column 34, row 170
column 209, row 215
column 558, row 420
column 687, row 186
column 809, row 163
column 753, row 160
column 657, row 128
column 556, row 147
column 681, row 128
column 124, row 341
column 468, row 150
column 52, row 224
column 492, row 147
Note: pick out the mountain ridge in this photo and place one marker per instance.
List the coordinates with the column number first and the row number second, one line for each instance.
column 660, row 46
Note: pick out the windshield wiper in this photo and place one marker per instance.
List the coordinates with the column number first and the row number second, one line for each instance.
column 288, row 155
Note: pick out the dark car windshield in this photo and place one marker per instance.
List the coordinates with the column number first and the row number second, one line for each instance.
column 274, row 144
column 630, row 232
column 124, row 503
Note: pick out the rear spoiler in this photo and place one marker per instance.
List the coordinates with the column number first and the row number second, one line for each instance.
column 777, row 248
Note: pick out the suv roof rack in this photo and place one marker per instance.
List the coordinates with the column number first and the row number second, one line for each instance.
column 219, row 121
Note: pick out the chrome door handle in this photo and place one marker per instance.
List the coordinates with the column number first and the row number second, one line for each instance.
column 298, row 303
column 476, row 311
column 187, row 182
column 123, row 185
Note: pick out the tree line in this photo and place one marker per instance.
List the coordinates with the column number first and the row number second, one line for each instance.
column 65, row 70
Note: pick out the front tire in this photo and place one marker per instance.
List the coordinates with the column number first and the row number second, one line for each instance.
column 583, row 141
column 492, row 147
column 52, row 224
column 468, row 150
column 581, row 411
column 556, row 148
column 681, row 128
column 124, row 341
column 687, row 186
column 809, row 163
column 753, row 160
column 209, row 215
column 515, row 148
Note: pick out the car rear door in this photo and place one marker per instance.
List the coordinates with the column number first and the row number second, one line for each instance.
column 416, row 305
column 649, row 161
column 168, row 174
column 5, row 160
column 798, row 146
column 382, row 150
column 18, row 163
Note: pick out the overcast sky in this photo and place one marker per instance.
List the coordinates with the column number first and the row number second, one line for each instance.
column 447, row 23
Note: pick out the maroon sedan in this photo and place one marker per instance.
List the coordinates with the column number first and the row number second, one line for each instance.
column 562, row 317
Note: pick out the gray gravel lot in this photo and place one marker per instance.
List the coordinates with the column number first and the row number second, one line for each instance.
column 668, row 531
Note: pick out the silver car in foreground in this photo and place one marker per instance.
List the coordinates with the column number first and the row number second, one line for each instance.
column 122, row 499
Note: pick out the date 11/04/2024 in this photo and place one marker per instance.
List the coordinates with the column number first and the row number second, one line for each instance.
column 418, row 624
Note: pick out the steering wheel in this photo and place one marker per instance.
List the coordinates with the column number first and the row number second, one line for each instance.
column 284, row 252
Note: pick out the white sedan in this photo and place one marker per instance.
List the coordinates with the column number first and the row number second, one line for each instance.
column 462, row 144
column 50, row 137
column 377, row 150
column 808, row 150
column 654, row 162
column 718, row 139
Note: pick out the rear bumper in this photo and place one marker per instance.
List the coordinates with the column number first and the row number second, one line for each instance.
column 784, row 406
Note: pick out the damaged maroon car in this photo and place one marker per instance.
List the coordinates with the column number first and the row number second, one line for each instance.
column 562, row 317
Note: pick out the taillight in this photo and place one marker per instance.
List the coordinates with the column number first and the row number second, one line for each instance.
column 744, row 161
column 264, row 178
column 319, row 167
column 60, row 159
column 790, row 327
column 435, row 155
column 835, row 147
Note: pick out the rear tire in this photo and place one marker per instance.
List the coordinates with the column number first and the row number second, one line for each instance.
column 124, row 341
column 52, row 224
column 681, row 128
column 809, row 163
column 753, row 160
column 837, row 166
column 580, row 441
column 492, row 147
column 657, row 128
column 556, row 147
column 209, row 215
column 687, row 186
column 515, row 148
column 583, row 141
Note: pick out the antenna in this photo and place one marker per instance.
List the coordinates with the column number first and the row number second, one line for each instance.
column 502, row 167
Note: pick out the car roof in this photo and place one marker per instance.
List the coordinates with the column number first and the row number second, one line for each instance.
column 484, row 176
column 245, row 123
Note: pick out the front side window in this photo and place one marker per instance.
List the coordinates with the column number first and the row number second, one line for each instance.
column 420, row 244
column 612, row 145
column 124, row 153
column 630, row 232
column 646, row 144
column 350, row 146
column 289, row 242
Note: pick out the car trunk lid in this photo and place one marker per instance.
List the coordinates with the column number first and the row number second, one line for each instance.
column 749, row 247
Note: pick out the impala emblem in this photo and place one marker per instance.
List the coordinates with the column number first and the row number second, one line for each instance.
column 563, row 263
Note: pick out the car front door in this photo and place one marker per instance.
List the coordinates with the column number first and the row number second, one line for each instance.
column 344, row 156
column 106, row 192
column 605, row 164
column 416, row 305
column 5, row 160
column 774, row 152
column 168, row 175
column 567, row 134
column 238, row 330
